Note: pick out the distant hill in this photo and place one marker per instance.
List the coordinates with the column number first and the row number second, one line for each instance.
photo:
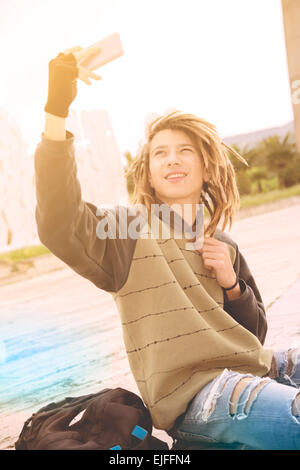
column 252, row 138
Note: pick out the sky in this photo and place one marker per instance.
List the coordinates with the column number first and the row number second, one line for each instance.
column 224, row 60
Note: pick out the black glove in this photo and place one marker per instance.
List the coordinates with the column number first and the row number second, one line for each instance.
column 62, row 84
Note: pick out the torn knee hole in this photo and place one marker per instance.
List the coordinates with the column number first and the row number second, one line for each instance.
column 253, row 394
column 240, row 386
column 237, row 392
column 296, row 406
column 291, row 360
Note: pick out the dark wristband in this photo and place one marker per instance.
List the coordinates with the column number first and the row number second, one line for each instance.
column 232, row 287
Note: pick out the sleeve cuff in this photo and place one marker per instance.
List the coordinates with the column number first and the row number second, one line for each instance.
column 241, row 299
column 58, row 144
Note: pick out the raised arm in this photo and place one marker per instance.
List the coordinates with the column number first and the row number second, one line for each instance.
column 66, row 223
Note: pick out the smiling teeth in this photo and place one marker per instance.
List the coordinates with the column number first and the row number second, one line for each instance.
column 175, row 175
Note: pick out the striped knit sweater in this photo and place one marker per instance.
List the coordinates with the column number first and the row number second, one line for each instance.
column 179, row 329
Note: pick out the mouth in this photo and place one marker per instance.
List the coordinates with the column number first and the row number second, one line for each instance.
column 175, row 177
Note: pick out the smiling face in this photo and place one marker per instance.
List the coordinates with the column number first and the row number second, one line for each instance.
column 176, row 170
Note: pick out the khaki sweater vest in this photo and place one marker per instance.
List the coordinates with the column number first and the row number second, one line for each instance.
column 177, row 335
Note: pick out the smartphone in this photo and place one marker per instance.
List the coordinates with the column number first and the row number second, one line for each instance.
column 111, row 49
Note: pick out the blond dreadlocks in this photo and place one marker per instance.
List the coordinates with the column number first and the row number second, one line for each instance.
column 220, row 195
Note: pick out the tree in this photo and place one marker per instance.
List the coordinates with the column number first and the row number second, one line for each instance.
column 243, row 182
column 291, row 174
column 257, row 174
column 279, row 155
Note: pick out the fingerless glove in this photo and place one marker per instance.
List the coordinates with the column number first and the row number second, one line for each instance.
column 62, row 84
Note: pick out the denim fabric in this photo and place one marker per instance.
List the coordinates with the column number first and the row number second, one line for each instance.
column 266, row 421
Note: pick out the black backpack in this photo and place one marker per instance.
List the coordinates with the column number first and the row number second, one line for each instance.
column 113, row 419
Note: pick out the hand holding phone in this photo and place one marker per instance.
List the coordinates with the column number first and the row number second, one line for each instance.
column 74, row 63
column 63, row 73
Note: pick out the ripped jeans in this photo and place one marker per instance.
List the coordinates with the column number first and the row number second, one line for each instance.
column 243, row 411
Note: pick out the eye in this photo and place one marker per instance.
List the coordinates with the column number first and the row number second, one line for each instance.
column 190, row 150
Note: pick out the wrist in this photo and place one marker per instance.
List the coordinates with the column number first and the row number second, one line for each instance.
column 234, row 293
column 55, row 127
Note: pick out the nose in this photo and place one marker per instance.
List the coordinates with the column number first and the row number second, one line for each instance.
column 172, row 158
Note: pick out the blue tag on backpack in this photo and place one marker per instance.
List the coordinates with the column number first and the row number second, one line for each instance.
column 139, row 432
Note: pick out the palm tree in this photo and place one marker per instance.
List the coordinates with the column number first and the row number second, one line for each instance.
column 279, row 154
column 257, row 174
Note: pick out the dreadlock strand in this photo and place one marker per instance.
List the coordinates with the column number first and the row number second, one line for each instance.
column 236, row 154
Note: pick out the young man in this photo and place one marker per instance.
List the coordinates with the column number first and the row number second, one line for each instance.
column 193, row 320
